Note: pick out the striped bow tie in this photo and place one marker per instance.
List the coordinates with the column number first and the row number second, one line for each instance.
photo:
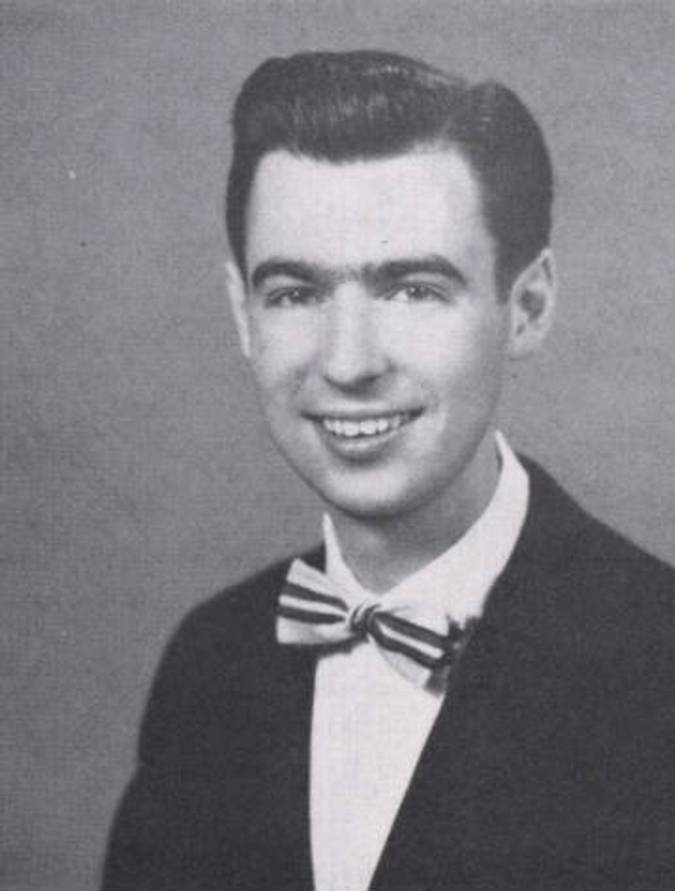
column 418, row 641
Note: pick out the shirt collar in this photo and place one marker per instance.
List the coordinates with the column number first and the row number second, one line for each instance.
column 460, row 578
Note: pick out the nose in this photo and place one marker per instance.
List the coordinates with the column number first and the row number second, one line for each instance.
column 352, row 349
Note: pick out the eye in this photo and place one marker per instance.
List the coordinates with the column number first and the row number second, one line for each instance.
column 292, row 296
column 417, row 292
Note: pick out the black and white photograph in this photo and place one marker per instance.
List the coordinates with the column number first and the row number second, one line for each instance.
column 338, row 422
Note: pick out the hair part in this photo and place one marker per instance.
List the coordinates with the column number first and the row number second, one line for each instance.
column 341, row 107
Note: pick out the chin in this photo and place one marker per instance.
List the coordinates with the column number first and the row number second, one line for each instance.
column 365, row 510
column 364, row 503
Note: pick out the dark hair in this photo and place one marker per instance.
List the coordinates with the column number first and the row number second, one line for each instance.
column 369, row 104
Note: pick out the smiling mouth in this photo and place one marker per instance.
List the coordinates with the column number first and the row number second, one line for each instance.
column 367, row 427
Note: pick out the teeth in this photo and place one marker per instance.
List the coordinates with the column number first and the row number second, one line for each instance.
column 364, row 427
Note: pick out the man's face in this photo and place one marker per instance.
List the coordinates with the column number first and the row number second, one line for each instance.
column 373, row 327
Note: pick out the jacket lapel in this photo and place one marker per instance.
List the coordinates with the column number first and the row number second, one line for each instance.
column 458, row 819
column 282, row 733
column 283, row 741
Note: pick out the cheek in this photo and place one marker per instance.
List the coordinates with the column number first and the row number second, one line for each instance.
column 456, row 355
column 281, row 351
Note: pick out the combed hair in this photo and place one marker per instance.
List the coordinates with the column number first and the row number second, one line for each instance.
column 342, row 107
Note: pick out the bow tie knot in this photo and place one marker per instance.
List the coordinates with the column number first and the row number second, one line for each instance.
column 417, row 641
column 360, row 618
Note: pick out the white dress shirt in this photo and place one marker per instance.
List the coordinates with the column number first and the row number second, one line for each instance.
column 369, row 723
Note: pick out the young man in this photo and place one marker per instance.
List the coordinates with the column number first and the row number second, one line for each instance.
column 470, row 684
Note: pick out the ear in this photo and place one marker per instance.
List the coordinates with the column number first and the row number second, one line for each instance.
column 532, row 300
column 236, row 289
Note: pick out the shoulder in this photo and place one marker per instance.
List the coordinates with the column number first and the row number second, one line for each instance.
column 582, row 547
column 227, row 625
column 233, row 614
column 596, row 589
column 588, row 620
column 215, row 652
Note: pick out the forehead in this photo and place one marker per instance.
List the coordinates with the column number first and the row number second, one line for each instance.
column 357, row 212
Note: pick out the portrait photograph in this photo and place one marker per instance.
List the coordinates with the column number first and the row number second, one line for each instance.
column 338, row 422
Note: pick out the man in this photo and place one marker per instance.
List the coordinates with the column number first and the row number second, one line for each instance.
column 470, row 684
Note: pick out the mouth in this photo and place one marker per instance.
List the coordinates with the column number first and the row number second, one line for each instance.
column 350, row 428
column 361, row 437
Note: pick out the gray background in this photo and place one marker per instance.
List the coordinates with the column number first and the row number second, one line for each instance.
column 137, row 478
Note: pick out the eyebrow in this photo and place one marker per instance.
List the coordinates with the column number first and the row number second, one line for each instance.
column 279, row 266
column 375, row 274
column 394, row 270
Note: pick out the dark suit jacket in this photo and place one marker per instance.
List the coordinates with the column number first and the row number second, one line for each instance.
column 550, row 765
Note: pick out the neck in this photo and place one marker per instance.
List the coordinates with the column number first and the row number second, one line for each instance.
column 382, row 551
